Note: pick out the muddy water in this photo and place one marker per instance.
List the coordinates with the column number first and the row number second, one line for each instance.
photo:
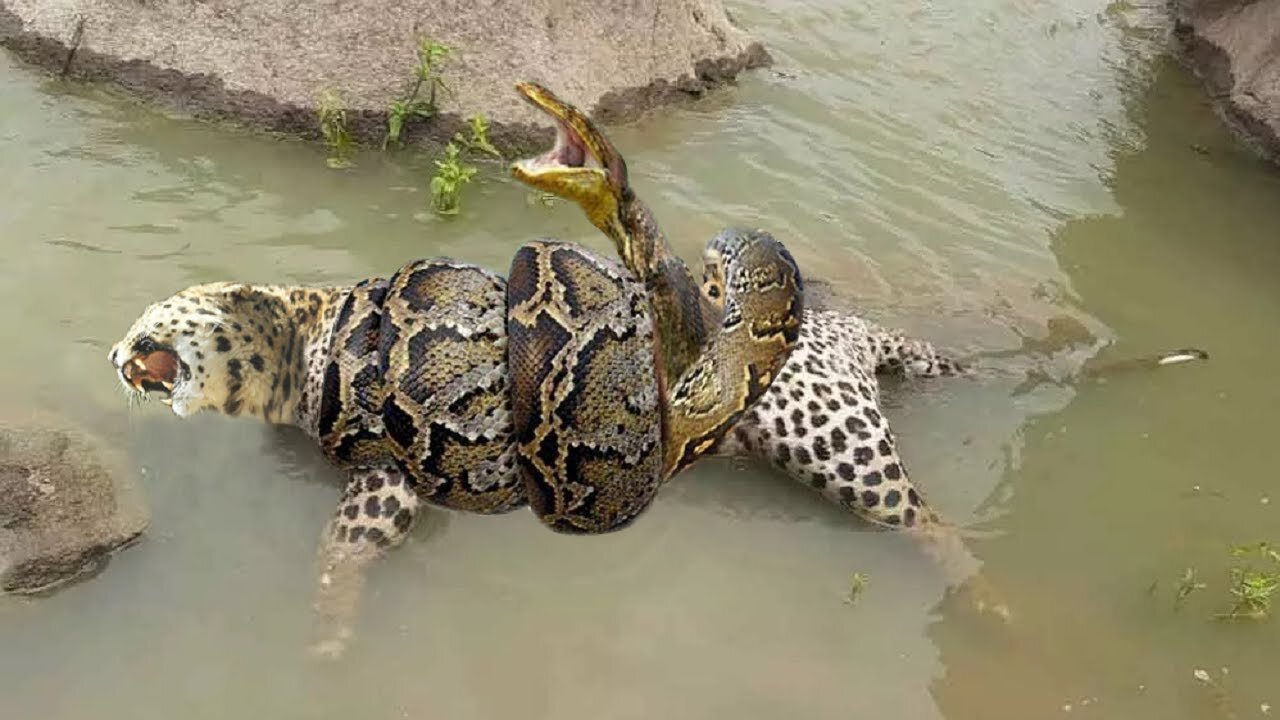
column 977, row 174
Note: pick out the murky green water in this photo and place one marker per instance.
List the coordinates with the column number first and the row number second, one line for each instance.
column 966, row 172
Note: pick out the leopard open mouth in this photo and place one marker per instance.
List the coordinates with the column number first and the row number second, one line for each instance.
column 157, row 370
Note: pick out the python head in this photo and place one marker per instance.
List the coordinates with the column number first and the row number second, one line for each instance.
column 584, row 167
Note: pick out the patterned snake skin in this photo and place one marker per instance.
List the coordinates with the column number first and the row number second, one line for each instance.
column 545, row 390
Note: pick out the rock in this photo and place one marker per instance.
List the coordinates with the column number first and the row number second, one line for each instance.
column 266, row 63
column 65, row 506
column 1234, row 46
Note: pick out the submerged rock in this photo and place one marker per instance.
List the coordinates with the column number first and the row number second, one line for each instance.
column 268, row 62
column 65, row 506
column 1234, row 46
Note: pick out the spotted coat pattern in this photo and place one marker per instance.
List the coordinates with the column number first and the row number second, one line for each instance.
column 821, row 422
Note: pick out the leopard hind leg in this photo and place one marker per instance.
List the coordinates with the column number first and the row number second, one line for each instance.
column 822, row 425
column 898, row 354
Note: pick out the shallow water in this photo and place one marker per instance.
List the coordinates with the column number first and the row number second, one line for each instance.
column 969, row 173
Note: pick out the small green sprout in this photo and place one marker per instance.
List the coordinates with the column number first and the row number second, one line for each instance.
column 480, row 136
column 857, row 585
column 333, row 126
column 1252, row 587
column 453, row 172
column 400, row 111
column 451, row 175
column 431, row 55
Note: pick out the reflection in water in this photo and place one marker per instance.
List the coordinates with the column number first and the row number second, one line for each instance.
column 980, row 175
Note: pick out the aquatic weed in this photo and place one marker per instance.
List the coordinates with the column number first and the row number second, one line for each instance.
column 857, row 585
column 451, row 175
column 332, row 117
column 453, row 172
column 398, row 112
column 1251, row 586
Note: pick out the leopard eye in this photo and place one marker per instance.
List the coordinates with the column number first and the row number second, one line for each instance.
column 714, row 292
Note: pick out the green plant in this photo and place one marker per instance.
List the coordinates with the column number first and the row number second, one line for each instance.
column 479, row 139
column 451, row 175
column 1251, row 586
column 453, row 172
column 400, row 111
column 857, row 585
column 431, row 55
column 333, row 126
